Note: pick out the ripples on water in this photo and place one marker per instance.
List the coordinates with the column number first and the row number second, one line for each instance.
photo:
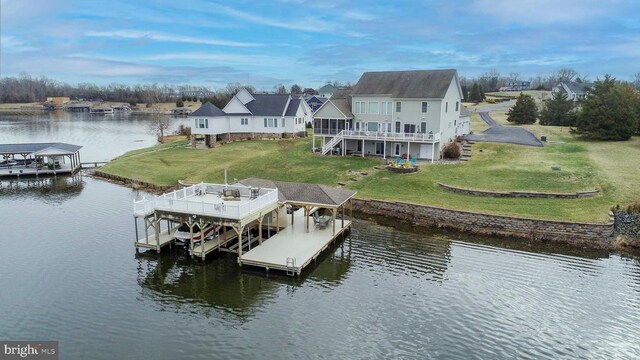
column 69, row 273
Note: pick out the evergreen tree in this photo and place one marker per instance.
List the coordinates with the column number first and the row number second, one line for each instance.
column 482, row 96
column 465, row 92
column 608, row 112
column 295, row 89
column 179, row 103
column 557, row 111
column 524, row 111
column 475, row 93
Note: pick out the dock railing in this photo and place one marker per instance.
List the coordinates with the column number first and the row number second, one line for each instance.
column 184, row 201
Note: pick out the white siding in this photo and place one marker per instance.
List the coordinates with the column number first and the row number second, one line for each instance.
column 235, row 106
column 450, row 116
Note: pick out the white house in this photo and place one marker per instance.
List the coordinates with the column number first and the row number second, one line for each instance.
column 393, row 113
column 249, row 115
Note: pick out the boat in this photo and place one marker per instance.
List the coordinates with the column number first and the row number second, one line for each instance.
column 121, row 108
column 182, row 234
column 7, row 163
column 101, row 111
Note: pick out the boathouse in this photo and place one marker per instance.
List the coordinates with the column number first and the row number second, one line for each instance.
column 274, row 225
column 39, row 159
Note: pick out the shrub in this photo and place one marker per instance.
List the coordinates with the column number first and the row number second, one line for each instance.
column 309, row 126
column 451, row 151
column 183, row 130
column 133, row 103
column 179, row 103
column 149, row 105
column 635, row 207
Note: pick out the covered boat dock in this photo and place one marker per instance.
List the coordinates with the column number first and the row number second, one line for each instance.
column 288, row 213
column 301, row 242
column 39, row 159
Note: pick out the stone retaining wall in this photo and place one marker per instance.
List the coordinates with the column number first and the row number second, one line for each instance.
column 628, row 224
column 133, row 183
column 519, row 194
column 588, row 234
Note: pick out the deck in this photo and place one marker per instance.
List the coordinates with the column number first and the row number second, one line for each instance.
column 32, row 171
column 150, row 242
column 293, row 248
column 201, row 250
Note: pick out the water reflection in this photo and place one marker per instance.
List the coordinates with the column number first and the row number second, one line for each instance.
column 52, row 189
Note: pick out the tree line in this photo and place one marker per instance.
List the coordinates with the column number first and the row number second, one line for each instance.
column 609, row 111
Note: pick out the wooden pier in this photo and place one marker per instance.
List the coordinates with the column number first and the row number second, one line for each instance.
column 289, row 211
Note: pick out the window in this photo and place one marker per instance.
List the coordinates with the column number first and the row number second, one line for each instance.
column 386, row 107
column 363, row 107
column 446, row 106
column 356, row 107
column 283, row 122
column 409, row 128
column 373, row 107
column 372, row 126
column 244, row 121
column 270, row 122
column 457, row 106
column 389, row 107
column 202, row 123
column 398, row 106
column 423, row 127
column 424, row 106
column 397, row 126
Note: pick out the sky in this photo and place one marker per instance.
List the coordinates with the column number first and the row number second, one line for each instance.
column 265, row 43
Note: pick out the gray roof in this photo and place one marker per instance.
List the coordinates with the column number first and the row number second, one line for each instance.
column 405, row 84
column 327, row 89
column 293, row 107
column 208, row 109
column 35, row 147
column 343, row 105
column 330, row 196
column 577, row 88
column 268, row 104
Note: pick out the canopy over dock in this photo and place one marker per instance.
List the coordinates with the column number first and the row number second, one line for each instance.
column 39, row 158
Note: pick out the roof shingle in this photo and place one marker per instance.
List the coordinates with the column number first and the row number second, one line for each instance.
column 405, row 84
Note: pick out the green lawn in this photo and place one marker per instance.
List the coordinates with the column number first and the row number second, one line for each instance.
column 285, row 160
column 610, row 167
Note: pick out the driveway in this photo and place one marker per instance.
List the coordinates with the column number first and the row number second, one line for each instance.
column 504, row 134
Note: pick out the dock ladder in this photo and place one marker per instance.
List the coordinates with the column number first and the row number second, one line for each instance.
column 291, row 266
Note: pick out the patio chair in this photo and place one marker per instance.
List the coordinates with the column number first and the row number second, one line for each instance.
column 321, row 221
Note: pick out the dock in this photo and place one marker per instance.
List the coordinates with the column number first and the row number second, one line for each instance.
column 35, row 159
column 274, row 225
column 294, row 247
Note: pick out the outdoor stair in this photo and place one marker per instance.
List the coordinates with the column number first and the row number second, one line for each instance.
column 335, row 140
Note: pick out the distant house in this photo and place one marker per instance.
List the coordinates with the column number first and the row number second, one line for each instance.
column 326, row 91
column 393, row 113
column 58, row 100
column 315, row 101
column 575, row 91
column 249, row 115
column 519, row 85
column 309, row 91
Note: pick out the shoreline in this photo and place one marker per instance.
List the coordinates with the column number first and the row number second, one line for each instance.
column 596, row 236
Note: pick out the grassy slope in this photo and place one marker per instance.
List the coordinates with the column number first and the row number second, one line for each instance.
column 286, row 160
column 609, row 167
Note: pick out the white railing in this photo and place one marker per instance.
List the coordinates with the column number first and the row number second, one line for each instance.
column 390, row 136
column 183, row 201
column 336, row 139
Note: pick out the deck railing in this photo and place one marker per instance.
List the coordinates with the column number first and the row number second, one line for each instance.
column 183, row 201
column 391, row 136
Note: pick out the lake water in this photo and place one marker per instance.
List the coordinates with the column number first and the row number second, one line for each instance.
column 69, row 272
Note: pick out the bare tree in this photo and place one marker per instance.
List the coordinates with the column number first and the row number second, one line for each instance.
column 635, row 80
column 566, row 74
column 279, row 89
column 159, row 123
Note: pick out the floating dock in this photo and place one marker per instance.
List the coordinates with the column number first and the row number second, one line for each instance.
column 242, row 213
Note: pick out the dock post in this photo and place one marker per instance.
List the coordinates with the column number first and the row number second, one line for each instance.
column 333, row 215
column 156, row 227
column 260, row 228
column 342, row 216
column 202, row 239
column 190, row 224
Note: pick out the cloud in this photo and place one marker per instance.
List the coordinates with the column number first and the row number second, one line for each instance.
column 11, row 44
column 142, row 35
column 217, row 57
column 306, row 24
column 541, row 12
